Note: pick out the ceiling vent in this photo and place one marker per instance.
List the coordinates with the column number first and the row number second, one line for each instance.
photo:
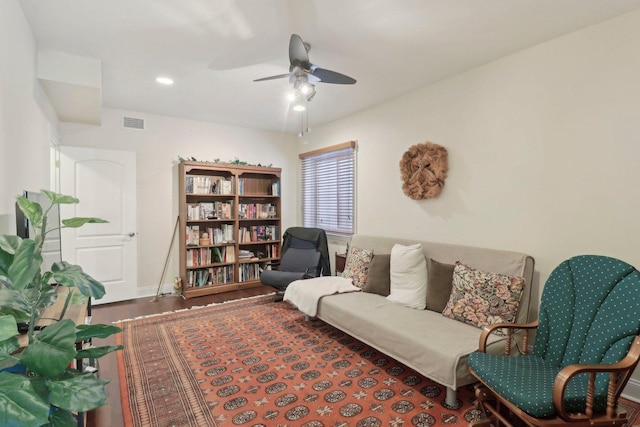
column 133, row 123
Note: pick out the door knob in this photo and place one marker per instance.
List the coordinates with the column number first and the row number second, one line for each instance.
column 132, row 234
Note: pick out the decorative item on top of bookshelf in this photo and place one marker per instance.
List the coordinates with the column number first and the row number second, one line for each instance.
column 235, row 161
column 230, row 215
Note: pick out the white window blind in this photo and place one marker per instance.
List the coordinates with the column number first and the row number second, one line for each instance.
column 328, row 188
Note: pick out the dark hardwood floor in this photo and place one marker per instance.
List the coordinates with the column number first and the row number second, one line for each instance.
column 110, row 415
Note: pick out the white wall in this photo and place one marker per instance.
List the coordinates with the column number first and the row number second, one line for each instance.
column 26, row 117
column 544, row 148
column 544, row 153
column 158, row 148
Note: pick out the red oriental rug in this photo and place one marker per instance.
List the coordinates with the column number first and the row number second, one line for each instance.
column 255, row 362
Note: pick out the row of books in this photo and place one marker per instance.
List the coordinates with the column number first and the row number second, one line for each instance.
column 199, row 184
column 223, row 186
column 248, row 272
column 258, row 233
column 210, row 210
column 223, row 234
column 256, row 210
column 273, row 251
column 207, row 256
column 210, row 276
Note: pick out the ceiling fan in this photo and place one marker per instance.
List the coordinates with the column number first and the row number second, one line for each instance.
column 303, row 74
column 301, row 70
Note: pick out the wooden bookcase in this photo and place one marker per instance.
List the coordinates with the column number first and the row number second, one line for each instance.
column 238, row 207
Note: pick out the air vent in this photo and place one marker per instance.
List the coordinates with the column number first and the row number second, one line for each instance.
column 133, row 123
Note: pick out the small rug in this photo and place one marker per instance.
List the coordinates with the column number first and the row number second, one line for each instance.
column 255, row 362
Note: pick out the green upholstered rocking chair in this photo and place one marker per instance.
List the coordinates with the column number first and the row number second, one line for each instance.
column 586, row 348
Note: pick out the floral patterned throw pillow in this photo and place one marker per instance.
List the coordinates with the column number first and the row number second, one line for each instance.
column 357, row 265
column 480, row 298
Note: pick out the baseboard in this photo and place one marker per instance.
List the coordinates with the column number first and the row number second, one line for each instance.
column 149, row 291
column 632, row 390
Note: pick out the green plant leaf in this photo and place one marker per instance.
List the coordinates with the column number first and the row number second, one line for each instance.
column 78, row 298
column 20, row 405
column 84, row 332
column 80, row 221
column 47, row 296
column 8, row 327
column 97, row 352
column 13, row 302
column 72, row 275
column 7, row 348
column 78, row 392
column 31, row 210
column 26, row 264
column 52, row 349
column 58, row 198
column 9, row 244
column 62, row 418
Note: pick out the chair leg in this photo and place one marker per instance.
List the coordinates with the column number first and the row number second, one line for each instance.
column 490, row 407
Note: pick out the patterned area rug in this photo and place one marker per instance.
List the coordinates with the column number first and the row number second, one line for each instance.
column 255, row 362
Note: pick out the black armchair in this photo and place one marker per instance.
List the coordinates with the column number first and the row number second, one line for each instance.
column 305, row 255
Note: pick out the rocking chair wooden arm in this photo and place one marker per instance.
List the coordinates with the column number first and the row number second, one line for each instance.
column 619, row 373
column 487, row 330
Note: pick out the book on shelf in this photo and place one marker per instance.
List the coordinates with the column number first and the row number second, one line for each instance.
column 258, row 233
column 275, row 188
column 200, row 256
column 223, row 234
column 192, row 235
column 223, row 186
column 256, row 210
column 197, row 184
column 244, row 254
column 223, row 254
column 249, row 272
column 210, row 210
column 210, row 276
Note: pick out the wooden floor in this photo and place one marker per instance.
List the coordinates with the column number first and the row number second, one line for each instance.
column 111, row 414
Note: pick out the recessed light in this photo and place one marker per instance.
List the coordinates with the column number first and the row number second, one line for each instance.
column 167, row 81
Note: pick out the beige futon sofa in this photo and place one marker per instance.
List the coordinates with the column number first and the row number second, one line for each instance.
column 424, row 340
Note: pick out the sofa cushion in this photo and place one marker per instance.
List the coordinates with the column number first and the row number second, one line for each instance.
column 439, row 285
column 356, row 266
column 408, row 275
column 379, row 280
column 423, row 340
column 480, row 298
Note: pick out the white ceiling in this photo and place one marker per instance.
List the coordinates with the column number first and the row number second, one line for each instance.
column 214, row 49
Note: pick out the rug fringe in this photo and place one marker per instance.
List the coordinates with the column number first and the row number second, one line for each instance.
column 193, row 307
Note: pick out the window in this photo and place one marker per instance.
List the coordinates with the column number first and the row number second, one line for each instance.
column 328, row 188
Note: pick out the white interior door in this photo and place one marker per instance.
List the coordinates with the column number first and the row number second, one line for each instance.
column 105, row 183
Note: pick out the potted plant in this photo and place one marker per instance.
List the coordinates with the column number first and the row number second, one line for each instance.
column 37, row 385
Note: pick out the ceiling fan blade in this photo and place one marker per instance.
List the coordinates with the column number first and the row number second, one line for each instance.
column 279, row 76
column 328, row 76
column 298, row 54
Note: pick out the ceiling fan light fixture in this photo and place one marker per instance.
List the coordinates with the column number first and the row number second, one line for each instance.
column 299, row 106
column 164, row 80
column 304, row 87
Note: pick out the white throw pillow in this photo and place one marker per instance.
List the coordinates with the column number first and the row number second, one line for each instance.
column 408, row 274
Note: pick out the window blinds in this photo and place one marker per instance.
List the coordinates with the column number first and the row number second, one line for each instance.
column 328, row 188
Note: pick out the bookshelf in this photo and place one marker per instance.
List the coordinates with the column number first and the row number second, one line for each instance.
column 229, row 218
